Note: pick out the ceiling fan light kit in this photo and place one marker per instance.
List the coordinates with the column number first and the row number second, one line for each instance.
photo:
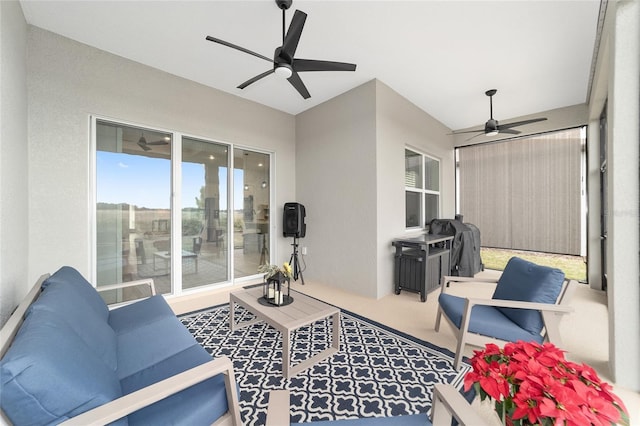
column 284, row 62
column 283, row 70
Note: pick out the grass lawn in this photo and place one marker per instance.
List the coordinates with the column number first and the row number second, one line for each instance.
column 574, row 267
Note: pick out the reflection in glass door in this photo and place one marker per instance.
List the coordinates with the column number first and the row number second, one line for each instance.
column 135, row 236
column 205, row 215
column 251, row 234
column 133, row 207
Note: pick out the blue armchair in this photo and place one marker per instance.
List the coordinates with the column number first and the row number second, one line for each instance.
column 528, row 303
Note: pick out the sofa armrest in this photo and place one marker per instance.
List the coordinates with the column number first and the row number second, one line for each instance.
column 11, row 327
column 145, row 281
column 134, row 401
column 448, row 404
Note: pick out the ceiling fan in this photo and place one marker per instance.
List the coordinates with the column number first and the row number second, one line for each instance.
column 142, row 142
column 492, row 128
column 284, row 63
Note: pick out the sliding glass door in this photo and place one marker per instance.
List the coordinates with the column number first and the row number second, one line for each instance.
column 205, row 216
column 133, row 197
column 223, row 216
column 251, row 211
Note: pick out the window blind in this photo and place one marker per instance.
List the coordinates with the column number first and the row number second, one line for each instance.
column 524, row 194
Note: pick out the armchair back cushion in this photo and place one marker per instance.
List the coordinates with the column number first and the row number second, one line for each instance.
column 527, row 282
column 65, row 301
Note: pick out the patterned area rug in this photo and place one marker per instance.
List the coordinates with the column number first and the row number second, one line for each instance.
column 378, row 372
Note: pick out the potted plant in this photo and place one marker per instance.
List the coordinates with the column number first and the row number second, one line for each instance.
column 533, row 384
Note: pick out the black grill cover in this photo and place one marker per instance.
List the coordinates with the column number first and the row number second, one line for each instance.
column 465, row 247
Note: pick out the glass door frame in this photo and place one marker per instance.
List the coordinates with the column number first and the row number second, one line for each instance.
column 176, row 203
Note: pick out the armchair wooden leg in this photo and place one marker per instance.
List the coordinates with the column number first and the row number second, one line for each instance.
column 438, row 316
column 459, row 350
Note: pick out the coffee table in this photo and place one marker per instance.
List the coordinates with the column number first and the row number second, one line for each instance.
column 303, row 311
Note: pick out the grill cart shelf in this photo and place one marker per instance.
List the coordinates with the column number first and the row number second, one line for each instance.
column 420, row 262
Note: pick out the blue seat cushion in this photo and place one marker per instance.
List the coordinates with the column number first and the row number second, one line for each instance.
column 68, row 302
column 49, row 374
column 147, row 332
column 140, row 313
column 408, row 420
column 485, row 320
column 528, row 282
column 201, row 404
column 71, row 276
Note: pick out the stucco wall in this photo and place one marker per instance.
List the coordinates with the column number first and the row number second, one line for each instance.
column 68, row 82
column 400, row 123
column 336, row 182
column 14, row 165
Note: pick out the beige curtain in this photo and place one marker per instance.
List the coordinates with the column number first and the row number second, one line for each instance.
column 524, row 194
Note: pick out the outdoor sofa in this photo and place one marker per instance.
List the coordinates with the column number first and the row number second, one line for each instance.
column 67, row 358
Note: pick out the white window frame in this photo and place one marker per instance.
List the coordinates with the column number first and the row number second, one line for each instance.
column 421, row 190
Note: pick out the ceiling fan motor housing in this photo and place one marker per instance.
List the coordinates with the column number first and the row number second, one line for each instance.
column 491, row 126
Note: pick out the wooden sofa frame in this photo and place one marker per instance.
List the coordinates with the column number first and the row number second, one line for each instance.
column 134, row 401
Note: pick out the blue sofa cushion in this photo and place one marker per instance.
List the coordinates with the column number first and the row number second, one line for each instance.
column 147, row 333
column 201, row 404
column 69, row 302
column 485, row 320
column 528, row 282
column 146, row 311
column 70, row 276
column 49, row 374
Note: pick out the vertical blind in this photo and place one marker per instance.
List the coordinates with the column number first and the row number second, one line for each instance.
column 524, row 194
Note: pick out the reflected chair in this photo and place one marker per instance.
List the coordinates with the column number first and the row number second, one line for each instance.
column 527, row 304
column 197, row 245
column 141, row 256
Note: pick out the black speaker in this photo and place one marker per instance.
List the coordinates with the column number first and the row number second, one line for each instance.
column 293, row 220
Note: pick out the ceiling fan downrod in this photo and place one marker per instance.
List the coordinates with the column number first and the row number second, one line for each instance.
column 490, row 94
column 283, row 5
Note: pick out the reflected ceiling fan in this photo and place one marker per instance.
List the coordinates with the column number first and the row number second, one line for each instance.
column 492, row 127
column 142, row 142
column 284, row 63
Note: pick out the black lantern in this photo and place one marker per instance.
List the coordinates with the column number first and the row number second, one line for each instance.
column 275, row 290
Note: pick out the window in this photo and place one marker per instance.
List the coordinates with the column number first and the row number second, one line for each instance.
column 422, row 188
column 159, row 193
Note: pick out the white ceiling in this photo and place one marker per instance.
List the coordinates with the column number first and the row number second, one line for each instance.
column 440, row 55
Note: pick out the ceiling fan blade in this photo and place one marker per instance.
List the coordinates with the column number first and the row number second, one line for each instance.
column 468, row 131
column 302, row 65
column 475, row 136
column 299, row 85
column 144, row 146
column 242, row 49
column 501, row 127
column 256, row 78
column 290, row 43
column 509, row 131
column 158, row 143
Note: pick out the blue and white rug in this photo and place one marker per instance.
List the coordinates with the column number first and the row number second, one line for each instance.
column 378, row 372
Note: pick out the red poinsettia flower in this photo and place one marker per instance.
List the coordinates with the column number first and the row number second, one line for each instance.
column 534, row 384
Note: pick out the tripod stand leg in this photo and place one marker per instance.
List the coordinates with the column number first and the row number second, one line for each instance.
column 295, row 266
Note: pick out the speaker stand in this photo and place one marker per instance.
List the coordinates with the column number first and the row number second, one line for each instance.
column 294, row 261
